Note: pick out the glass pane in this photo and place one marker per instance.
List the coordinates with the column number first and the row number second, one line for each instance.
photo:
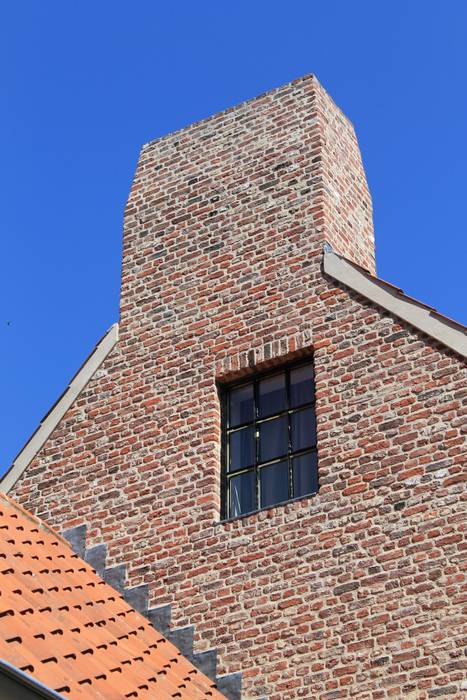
column 301, row 385
column 305, row 474
column 241, row 405
column 273, row 439
column 242, row 449
column 242, row 494
column 274, row 484
column 303, row 429
column 272, row 395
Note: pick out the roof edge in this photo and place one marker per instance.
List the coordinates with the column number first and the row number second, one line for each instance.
column 24, row 679
column 41, row 524
column 450, row 333
column 58, row 410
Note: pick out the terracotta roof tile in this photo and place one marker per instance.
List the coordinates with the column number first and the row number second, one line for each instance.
column 66, row 627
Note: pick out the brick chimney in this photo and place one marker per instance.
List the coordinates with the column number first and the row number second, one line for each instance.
column 223, row 238
column 239, row 205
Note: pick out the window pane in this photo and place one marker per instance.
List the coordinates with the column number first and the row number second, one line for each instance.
column 272, row 395
column 301, row 385
column 273, row 439
column 242, row 494
column 305, row 474
column 242, row 449
column 274, row 484
column 241, row 405
column 303, row 429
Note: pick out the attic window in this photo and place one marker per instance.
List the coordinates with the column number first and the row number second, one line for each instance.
column 269, row 440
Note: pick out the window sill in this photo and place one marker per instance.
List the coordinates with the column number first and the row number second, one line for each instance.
column 263, row 510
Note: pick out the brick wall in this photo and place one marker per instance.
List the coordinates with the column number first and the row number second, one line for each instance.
column 356, row 591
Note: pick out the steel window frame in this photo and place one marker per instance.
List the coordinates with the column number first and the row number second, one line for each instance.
column 225, row 390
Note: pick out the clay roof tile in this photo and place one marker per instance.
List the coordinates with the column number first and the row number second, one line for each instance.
column 63, row 625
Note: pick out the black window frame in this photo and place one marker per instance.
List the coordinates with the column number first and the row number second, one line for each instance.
column 255, row 378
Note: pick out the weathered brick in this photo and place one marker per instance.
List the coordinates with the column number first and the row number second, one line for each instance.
column 339, row 595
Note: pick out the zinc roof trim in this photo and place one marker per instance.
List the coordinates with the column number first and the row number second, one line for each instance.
column 449, row 333
column 59, row 408
column 28, row 681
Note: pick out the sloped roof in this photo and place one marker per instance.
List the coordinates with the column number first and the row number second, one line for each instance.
column 385, row 295
column 63, row 625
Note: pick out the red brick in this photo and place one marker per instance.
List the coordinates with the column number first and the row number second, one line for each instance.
column 222, row 253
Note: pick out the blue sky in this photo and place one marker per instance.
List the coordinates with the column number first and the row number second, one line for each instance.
column 84, row 84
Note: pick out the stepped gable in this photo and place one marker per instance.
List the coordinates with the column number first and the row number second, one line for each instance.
column 64, row 626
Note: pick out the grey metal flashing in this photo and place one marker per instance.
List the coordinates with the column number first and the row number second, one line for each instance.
column 206, row 661
column 97, row 557
column 450, row 333
column 160, row 616
column 115, row 576
column 183, row 637
column 58, row 410
column 230, row 685
column 76, row 538
column 16, row 684
column 138, row 598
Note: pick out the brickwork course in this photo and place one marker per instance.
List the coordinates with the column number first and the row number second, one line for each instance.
column 357, row 591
